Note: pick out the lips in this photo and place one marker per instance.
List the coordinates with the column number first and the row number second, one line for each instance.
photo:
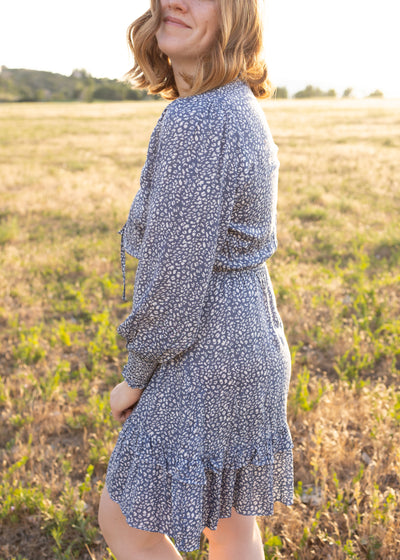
column 176, row 21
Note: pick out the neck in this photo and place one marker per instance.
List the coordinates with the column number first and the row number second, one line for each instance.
column 185, row 68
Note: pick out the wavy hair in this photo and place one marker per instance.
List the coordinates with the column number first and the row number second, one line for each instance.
column 237, row 53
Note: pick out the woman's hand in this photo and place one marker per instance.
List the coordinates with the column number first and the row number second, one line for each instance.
column 122, row 400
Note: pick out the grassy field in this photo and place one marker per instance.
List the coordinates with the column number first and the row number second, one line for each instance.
column 68, row 174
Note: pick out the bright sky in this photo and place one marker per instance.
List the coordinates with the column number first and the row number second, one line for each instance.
column 339, row 44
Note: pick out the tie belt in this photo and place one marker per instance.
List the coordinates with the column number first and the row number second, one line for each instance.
column 226, row 269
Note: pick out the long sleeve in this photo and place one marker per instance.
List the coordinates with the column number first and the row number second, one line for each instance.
column 190, row 204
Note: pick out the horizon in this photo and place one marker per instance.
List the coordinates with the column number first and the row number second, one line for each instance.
column 345, row 46
column 339, row 94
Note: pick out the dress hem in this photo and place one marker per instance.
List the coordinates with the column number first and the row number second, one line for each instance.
column 188, row 544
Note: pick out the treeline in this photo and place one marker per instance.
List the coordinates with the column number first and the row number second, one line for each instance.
column 20, row 84
column 311, row 91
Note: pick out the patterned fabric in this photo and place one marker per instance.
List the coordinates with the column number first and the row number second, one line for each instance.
column 204, row 338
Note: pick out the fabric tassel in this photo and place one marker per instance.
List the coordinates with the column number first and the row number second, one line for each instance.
column 123, row 262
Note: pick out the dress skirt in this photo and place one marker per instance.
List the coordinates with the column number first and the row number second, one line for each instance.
column 210, row 431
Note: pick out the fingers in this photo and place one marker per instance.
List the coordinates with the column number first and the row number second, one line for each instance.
column 121, row 398
column 122, row 416
column 126, row 414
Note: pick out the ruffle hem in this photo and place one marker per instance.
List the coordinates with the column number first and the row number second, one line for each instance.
column 179, row 493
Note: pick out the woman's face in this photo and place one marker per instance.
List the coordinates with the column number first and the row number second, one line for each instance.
column 188, row 28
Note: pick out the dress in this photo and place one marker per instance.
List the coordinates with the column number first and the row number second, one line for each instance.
column 204, row 337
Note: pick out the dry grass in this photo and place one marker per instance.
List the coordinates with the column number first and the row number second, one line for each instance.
column 68, row 173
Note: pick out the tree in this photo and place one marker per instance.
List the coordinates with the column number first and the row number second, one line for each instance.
column 80, row 73
column 311, row 91
column 107, row 93
column 87, row 94
column 136, row 94
column 376, row 93
column 347, row 92
column 308, row 91
column 281, row 93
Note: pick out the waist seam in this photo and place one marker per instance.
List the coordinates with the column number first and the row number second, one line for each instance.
column 226, row 270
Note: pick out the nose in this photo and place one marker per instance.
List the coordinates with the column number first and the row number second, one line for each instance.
column 179, row 5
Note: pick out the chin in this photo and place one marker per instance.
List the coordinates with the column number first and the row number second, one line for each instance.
column 171, row 48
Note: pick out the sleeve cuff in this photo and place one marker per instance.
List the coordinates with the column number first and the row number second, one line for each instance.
column 138, row 371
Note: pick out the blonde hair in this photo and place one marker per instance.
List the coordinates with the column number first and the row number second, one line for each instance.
column 237, row 53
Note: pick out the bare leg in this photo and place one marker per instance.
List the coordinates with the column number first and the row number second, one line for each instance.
column 235, row 538
column 128, row 543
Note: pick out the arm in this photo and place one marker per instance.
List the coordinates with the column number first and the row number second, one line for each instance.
column 191, row 202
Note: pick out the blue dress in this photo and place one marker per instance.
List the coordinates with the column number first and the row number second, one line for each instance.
column 204, row 338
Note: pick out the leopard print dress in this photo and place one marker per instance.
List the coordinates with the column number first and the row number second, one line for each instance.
column 204, row 338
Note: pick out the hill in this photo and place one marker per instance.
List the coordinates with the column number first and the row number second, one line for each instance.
column 20, row 84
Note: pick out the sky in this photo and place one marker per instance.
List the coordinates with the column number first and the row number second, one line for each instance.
column 329, row 44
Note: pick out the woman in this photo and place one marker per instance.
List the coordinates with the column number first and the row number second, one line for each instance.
column 205, row 445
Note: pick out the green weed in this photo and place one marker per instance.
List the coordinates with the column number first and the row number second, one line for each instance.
column 9, row 229
column 29, row 350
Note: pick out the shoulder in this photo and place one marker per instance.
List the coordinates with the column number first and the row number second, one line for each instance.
column 214, row 110
column 230, row 113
